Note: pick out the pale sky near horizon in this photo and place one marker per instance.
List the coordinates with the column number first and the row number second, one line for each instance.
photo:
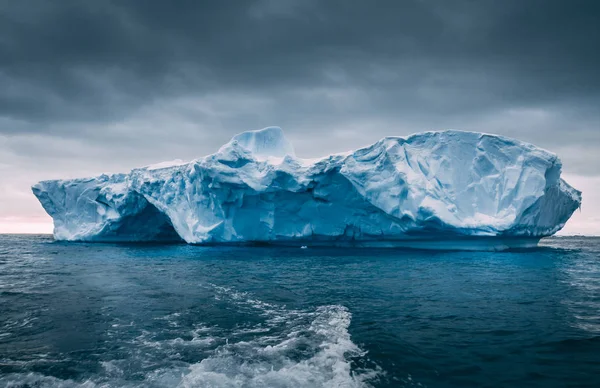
column 91, row 87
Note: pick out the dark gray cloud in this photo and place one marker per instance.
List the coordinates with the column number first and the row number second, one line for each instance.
column 87, row 60
column 91, row 86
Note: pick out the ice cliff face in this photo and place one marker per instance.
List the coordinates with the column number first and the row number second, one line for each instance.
column 447, row 189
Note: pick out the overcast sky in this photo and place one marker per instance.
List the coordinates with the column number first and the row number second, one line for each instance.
column 88, row 87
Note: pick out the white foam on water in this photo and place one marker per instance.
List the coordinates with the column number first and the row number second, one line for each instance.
column 21, row 380
column 295, row 349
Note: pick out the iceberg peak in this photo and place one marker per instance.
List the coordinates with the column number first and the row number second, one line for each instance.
column 263, row 143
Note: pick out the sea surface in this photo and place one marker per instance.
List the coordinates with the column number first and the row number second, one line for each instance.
column 142, row 315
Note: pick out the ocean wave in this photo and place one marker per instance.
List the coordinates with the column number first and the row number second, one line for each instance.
column 285, row 348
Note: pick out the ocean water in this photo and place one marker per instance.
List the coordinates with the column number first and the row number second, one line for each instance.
column 140, row 315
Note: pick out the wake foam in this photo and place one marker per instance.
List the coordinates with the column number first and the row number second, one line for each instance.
column 293, row 348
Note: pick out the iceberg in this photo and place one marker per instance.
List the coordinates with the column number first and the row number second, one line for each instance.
column 433, row 190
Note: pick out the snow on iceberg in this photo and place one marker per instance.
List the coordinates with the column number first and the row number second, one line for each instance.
column 447, row 190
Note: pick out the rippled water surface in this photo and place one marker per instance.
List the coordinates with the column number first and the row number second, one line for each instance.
column 104, row 315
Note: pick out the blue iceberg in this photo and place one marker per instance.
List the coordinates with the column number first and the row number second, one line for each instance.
column 438, row 190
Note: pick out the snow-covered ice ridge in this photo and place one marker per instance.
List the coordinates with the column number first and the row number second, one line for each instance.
column 447, row 190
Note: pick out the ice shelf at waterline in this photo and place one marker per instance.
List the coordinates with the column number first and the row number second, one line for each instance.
column 447, row 190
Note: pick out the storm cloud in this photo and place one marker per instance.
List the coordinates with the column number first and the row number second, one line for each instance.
column 91, row 87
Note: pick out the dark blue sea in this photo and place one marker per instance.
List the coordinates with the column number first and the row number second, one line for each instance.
column 139, row 315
